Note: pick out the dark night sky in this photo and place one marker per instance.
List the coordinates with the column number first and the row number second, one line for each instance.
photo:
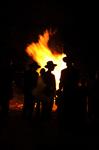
column 77, row 25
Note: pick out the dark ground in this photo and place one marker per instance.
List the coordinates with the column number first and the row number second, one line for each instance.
column 17, row 133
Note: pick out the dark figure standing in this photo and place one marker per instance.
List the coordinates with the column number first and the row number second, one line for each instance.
column 39, row 92
column 50, row 88
column 30, row 82
column 69, row 87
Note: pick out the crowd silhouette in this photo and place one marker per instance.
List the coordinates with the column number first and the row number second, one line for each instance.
column 76, row 97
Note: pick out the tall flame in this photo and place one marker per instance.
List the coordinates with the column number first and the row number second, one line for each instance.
column 41, row 53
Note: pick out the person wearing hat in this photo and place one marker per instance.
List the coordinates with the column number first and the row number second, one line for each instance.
column 30, row 81
column 68, row 86
column 50, row 89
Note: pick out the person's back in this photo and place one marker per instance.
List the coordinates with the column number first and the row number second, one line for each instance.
column 50, row 84
column 69, row 87
column 68, row 81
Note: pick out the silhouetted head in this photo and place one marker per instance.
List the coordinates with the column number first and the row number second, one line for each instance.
column 42, row 71
column 34, row 65
column 50, row 65
column 68, row 60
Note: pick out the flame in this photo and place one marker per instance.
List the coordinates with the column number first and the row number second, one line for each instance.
column 41, row 53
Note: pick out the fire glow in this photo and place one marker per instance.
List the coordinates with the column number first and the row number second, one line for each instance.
column 41, row 53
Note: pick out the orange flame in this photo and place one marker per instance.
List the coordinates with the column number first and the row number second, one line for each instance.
column 41, row 53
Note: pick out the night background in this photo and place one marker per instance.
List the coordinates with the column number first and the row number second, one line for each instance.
column 77, row 30
column 77, row 25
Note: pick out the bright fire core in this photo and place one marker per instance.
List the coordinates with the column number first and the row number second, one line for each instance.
column 41, row 53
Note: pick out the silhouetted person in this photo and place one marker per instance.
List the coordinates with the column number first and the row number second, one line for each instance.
column 44, row 98
column 39, row 91
column 30, row 83
column 42, row 73
column 69, row 87
column 50, row 89
column 6, row 90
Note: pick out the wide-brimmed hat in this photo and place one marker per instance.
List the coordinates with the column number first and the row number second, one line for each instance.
column 50, row 64
column 34, row 65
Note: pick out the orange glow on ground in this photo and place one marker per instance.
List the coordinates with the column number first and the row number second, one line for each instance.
column 18, row 105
